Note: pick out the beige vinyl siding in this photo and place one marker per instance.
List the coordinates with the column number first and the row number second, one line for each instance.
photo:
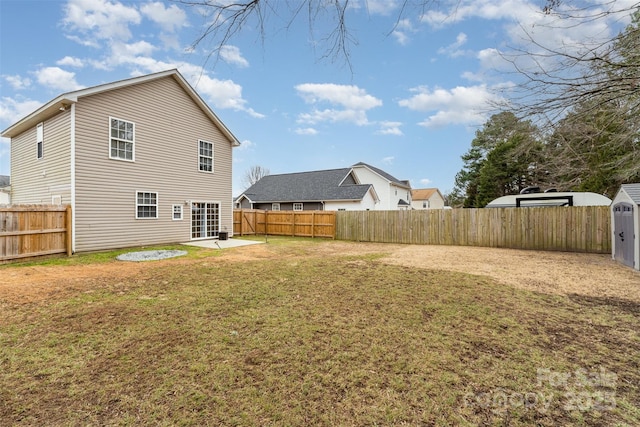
column 37, row 180
column 168, row 125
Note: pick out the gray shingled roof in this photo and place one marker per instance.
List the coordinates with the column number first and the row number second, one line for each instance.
column 313, row 186
column 633, row 190
column 5, row 181
column 389, row 177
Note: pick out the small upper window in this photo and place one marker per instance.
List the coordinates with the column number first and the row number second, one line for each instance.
column 205, row 157
column 122, row 139
column 275, row 206
column 146, row 205
column 177, row 212
column 297, row 206
column 40, row 140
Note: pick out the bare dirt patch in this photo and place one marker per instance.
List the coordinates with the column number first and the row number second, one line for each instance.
column 561, row 273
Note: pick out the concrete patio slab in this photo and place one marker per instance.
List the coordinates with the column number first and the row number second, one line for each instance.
column 222, row 244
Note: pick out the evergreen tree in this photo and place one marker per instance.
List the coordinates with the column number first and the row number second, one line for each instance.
column 503, row 159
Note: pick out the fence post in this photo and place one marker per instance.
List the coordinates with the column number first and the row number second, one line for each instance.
column 69, row 227
column 313, row 224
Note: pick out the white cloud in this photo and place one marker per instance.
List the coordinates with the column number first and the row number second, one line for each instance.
column 491, row 59
column 12, row 110
column 170, row 41
column 18, row 82
column 357, row 117
column 382, row 7
column 71, row 62
column 486, row 9
column 354, row 103
column 245, row 145
column 390, row 128
column 232, row 55
column 58, row 79
column 122, row 51
column 348, row 96
column 400, row 31
column 306, row 131
column 425, row 181
column 101, row 19
column 224, row 94
column 169, row 18
column 460, row 105
column 82, row 41
column 453, row 50
column 388, row 160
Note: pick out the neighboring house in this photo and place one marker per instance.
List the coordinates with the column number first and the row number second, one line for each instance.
column 427, row 198
column 360, row 187
column 141, row 161
column 394, row 194
column 5, row 190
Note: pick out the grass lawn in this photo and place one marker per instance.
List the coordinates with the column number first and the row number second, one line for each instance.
column 306, row 339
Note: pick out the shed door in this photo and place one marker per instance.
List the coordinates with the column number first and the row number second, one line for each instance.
column 624, row 233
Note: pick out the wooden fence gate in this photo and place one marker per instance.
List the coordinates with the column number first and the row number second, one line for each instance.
column 284, row 223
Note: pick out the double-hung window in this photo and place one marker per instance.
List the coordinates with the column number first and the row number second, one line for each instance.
column 40, row 140
column 122, row 139
column 205, row 156
column 146, row 205
column 177, row 212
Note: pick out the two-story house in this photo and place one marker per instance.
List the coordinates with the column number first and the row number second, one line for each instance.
column 141, row 161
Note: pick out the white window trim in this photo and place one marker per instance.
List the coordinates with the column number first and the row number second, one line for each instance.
column 40, row 140
column 298, row 205
column 275, row 206
column 173, row 212
column 133, row 150
column 212, row 156
column 156, row 205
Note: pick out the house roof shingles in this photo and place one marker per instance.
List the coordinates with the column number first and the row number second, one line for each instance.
column 310, row 186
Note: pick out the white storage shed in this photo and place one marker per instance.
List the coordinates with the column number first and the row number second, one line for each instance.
column 625, row 225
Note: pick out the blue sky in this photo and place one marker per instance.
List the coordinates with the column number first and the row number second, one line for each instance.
column 410, row 103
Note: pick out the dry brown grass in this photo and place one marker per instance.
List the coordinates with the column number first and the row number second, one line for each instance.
column 301, row 332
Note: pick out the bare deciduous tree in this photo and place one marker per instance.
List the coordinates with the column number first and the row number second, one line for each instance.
column 253, row 175
column 558, row 78
column 590, row 105
column 326, row 19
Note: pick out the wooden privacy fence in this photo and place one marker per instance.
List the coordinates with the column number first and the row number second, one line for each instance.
column 34, row 230
column 572, row 229
column 284, row 223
